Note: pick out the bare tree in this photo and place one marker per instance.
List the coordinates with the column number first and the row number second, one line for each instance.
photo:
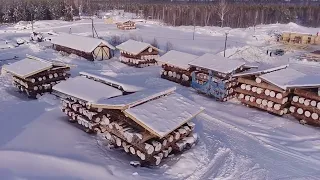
column 222, row 10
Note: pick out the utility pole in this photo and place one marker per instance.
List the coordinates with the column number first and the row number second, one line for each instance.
column 225, row 45
column 194, row 29
column 92, row 27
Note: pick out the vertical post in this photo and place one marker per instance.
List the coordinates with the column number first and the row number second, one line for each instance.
column 32, row 22
column 225, row 45
column 194, row 29
column 92, row 27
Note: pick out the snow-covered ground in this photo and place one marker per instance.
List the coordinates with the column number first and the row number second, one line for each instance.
column 236, row 142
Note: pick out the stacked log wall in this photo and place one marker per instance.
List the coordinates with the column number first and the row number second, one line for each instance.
column 253, row 92
column 218, row 85
column 68, row 50
column 38, row 84
column 176, row 74
column 305, row 106
column 122, row 132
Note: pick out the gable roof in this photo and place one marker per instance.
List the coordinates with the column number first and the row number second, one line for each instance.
column 86, row 89
column 217, row 63
column 164, row 115
column 135, row 47
column 177, row 59
column 290, row 78
column 127, row 101
column 261, row 69
column 129, row 83
column 27, row 67
column 80, row 43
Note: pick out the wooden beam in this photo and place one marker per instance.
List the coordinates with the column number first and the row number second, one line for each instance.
column 262, row 85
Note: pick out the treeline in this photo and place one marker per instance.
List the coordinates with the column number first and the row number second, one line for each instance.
column 231, row 13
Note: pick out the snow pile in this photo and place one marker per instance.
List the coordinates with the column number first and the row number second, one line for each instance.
column 248, row 53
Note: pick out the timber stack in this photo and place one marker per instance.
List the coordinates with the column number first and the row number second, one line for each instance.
column 213, row 75
column 35, row 76
column 175, row 67
column 260, row 89
column 125, row 120
column 127, row 25
column 138, row 54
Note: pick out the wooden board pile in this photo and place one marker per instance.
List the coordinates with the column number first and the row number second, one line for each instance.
column 124, row 121
column 255, row 92
column 138, row 54
column 127, row 25
column 214, row 76
column 35, row 76
column 175, row 67
column 305, row 106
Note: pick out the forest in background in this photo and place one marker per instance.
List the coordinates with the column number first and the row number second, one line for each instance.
column 218, row 13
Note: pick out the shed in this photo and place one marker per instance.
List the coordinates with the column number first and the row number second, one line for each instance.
column 86, row 47
column 175, row 66
column 126, row 25
column 138, row 54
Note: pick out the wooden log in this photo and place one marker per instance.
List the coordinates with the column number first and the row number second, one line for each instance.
column 261, row 85
column 267, row 92
column 300, row 111
column 307, row 120
column 292, row 109
column 271, row 110
column 259, row 101
column 307, row 102
column 132, row 150
column 301, row 100
column 307, row 94
column 254, row 89
column 262, row 96
column 272, row 94
column 307, row 113
column 118, row 141
column 149, row 148
column 264, row 102
column 247, row 98
column 258, row 80
column 270, row 104
column 313, row 103
column 248, row 87
column 315, row 116
column 259, row 90
column 241, row 96
column 279, row 96
column 309, row 108
column 252, row 99
column 157, row 145
column 243, row 86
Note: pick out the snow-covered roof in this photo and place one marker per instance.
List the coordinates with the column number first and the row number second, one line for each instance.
column 164, row 115
column 177, row 59
column 86, row 89
column 27, row 67
column 135, row 47
column 262, row 69
column 127, row 101
column 289, row 78
column 217, row 63
column 80, row 43
column 129, row 83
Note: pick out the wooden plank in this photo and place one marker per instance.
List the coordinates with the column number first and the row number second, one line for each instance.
column 262, row 95
column 307, row 94
column 261, row 85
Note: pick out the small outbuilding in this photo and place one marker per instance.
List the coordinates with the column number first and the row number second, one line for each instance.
column 175, row 66
column 138, row 54
column 300, row 38
column 86, row 47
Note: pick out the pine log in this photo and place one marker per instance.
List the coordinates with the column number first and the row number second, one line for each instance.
column 300, row 111
column 254, row 89
column 301, row 100
column 271, row 110
column 258, row 80
column 307, row 113
column 279, row 96
column 261, row 85
column 267, row 92
column 307, row 102
column 295, row 98
column 307, row 120
column 315, row 116
column 309, row 108
column 292, row 109
column 313, row 103
column 307, row 94
column 262, row 96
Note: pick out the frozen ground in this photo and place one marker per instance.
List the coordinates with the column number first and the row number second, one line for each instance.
column 37, row 142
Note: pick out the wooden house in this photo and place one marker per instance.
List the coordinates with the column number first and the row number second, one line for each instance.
column 138, row 54
column 126, row 25
column 35, row 76
column 149, row 124
column 213, row 75
column 175, row 67
column 86, row 47
column 299, row 38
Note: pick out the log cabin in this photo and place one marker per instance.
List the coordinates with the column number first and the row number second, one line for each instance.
column 213, row 75
column 138, row 54
column 175, row 67
column 86, row 47
column 125, row 122
column 126, row 25
column 35, row 76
